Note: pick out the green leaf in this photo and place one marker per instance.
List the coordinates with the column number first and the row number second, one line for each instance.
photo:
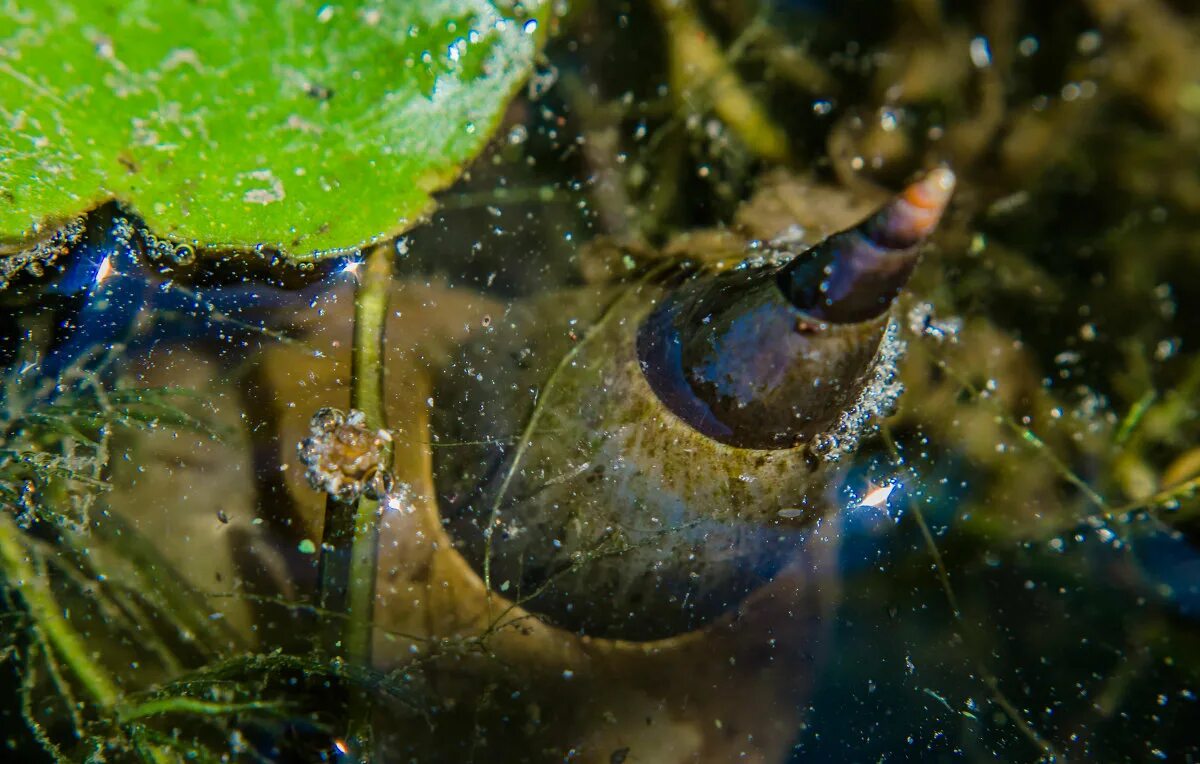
column 302, row 127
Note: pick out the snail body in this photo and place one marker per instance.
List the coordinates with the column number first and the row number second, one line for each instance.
column 633, row 461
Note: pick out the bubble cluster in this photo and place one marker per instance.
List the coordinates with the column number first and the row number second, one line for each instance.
column 879, row 393
column 922, row 322
column 161, row 251
column 36, row 258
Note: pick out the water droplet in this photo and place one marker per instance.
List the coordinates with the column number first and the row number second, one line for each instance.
column 1089, row 42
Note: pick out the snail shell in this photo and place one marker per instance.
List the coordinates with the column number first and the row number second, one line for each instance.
column 633, row 461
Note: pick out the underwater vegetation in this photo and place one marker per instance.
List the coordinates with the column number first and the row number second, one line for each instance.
column 677, row 381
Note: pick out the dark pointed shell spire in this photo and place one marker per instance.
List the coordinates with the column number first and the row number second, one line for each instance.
column 855, row 274
column 769, row 358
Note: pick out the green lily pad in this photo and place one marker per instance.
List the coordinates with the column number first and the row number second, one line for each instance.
column 302, row 127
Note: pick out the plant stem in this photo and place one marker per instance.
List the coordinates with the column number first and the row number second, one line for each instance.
column 35, row 591
column 348, row 580
column 194, row 706
column 370, row 316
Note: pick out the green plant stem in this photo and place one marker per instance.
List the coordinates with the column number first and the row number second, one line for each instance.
column 370, row 317
column 35, row 591
column 194, row 706
column 348, row 581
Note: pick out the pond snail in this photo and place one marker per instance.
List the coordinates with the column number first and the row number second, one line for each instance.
column 652, row 458
column 633, row 461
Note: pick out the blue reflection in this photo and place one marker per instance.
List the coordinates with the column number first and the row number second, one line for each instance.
column 877, row 497
column 120, row 298
column 103, row 270
column 1171, row 565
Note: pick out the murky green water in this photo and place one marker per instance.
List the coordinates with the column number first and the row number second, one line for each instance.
column 640, row 492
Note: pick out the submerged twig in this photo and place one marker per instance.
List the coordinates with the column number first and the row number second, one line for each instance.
column 699, row 66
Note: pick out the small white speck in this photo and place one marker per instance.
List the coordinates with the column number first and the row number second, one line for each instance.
column 104, row 271
column 877, row 496
column 981, row 53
